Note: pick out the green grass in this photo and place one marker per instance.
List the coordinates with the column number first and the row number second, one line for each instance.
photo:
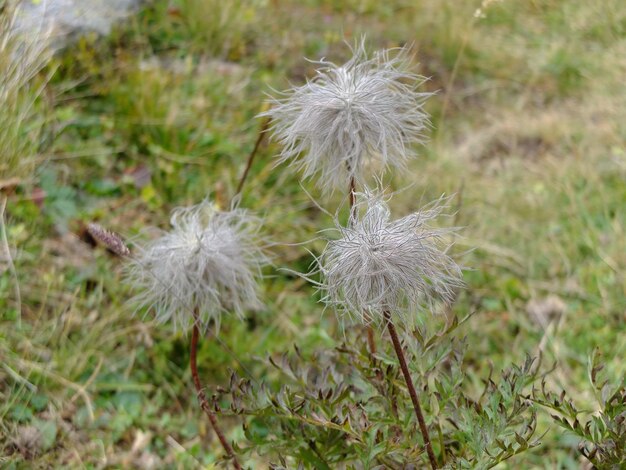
column 23, row 108
column 528, row 133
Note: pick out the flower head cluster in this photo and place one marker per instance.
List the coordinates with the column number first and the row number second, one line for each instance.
column 380, row 265
column 209, row 261
column 363, row 111
column 111, row 240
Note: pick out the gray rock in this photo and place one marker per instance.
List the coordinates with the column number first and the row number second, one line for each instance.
column 66, row 19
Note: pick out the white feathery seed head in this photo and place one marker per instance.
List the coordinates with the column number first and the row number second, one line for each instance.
column 210, row 260
column 366, row 111
column 378, row 264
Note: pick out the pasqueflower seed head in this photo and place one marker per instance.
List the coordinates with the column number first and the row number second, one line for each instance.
column 367, row 111
column 210, row 260
column 378, row 264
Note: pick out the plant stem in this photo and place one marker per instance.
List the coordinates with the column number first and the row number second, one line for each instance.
column 409, row 383
column 202, row 398
column 371, row 341
column 257, row 144
column 352, row 193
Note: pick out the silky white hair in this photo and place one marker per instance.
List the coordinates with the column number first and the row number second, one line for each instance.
column 367, row 110
column 401, row 266
column 211, row 261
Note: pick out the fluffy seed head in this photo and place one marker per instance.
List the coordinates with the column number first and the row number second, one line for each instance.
column 111, row 240
column 379, row 264
column 209, row 260
column 365, row 111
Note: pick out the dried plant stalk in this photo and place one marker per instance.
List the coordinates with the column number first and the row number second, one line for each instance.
column 202, row 398
column 412, row 393
column 257, row 145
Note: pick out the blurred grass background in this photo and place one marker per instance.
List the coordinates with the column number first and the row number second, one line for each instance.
column 529, row 126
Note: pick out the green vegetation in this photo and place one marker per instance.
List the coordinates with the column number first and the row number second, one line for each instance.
column 529, row 126
column 23, row 116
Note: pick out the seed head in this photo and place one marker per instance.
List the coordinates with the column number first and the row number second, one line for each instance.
column 111, row 240
column 365, row 111
column 378, row 264
column 209, row 260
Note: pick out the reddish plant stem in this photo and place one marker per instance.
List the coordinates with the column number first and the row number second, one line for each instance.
column 371, row 341
column 409, row 383
column 202, row 398
column 257, row 144
column 352, row 194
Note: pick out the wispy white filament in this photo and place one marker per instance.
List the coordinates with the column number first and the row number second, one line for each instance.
column 367, row 110
column 378, row 264
column 23, row 55
column 209, row 260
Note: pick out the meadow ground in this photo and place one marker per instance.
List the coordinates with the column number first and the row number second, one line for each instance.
column 529, row 126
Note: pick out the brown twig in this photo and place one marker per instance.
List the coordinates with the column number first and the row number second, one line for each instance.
column 352, row 194
column 257, row 144
column 202, row 398
column 409, row 383
column 371, row 341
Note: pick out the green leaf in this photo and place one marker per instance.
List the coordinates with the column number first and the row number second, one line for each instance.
column 48, row 432
column 21, row 413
